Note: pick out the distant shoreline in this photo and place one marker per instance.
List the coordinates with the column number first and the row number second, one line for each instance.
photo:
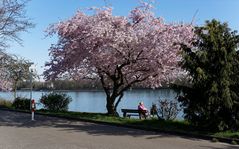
column 96, row 90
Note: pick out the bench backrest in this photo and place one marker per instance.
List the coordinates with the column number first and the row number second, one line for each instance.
column 131, row 110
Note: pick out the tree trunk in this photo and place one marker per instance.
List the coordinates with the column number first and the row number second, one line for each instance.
column 15, row 90
column 111, row 110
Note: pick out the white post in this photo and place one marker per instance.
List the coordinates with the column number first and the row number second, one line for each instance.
column 33, row 106
column 33, row 116
column 30, row 75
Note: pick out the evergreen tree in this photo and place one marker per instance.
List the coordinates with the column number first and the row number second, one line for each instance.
column 212, row 100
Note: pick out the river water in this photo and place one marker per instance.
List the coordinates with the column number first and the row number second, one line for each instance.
column 95, row 101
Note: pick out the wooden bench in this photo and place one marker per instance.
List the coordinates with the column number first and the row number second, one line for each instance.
column 134, row 112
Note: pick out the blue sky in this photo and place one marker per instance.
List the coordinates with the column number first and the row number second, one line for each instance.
column 44, row 12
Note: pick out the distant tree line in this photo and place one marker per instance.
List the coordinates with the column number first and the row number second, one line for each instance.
column 60, row 85
column 75, row 85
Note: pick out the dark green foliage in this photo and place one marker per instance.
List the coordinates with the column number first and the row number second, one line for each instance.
column 21, row 103
column 213, row 99
column 56, row 101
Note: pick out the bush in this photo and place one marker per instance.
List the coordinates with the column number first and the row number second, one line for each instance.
column 234, row 142
column 215, row 140
column 21, row 103
column 56, row 101
column 168, row 109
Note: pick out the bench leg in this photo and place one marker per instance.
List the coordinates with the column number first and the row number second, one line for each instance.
column 124, row 114
column 128, row 116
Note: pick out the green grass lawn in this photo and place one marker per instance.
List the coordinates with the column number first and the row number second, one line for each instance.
column 182, row 126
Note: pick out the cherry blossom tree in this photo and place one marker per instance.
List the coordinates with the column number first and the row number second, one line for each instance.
column 119, row 51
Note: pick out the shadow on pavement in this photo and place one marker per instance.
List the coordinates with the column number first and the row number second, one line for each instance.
column 23, row 120
column 225, row 147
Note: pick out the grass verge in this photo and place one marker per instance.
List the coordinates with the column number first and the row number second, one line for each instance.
column 5, row 103
column 227, row 134
column 174, row 127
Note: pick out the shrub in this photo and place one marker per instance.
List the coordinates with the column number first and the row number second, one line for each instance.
column 168, row 109
column 55, row 101
column 234, row 142
column 215, row 140
column 21, row 103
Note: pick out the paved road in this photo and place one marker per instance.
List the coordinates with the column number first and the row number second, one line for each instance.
column 18, row 132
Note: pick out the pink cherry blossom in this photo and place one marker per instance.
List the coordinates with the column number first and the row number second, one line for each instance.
column 120, row 51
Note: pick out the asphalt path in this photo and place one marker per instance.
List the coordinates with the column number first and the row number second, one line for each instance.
column 17, row 131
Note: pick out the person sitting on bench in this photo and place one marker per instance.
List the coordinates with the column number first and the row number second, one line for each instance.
column 143, row 110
